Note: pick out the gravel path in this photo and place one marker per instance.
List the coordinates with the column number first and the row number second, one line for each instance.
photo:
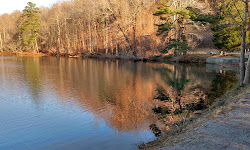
column 229, row 131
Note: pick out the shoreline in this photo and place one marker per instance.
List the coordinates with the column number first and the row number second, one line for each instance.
column 22, row 54
column 189, row 58
column 181, row 132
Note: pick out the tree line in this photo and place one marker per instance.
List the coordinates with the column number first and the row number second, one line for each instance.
column 123, row 28
column 112, row 27
column 81, row 26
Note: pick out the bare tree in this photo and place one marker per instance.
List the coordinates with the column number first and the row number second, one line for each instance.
column 243, row 47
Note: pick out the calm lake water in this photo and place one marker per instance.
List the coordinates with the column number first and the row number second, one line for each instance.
column 49, row 103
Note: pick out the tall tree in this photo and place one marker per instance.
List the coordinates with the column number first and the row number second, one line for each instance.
column 30, row 26
column 228, row 31
column 244, row 72
column 174, row 16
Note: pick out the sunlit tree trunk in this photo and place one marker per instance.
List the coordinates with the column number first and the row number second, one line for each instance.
column 134, row 38
column 107, row 39
column 95, row 33
column 36, row 47
column 68, row 43
column 58, row 37
column 247, row 72
column 76, row 40
column 111, row 45
column 116, row 49
column 1, row 42
column 83, row 43
column 91, row 34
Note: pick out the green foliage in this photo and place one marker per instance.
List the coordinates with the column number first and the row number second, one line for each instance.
column 226, row 25
column 30, row 24
column 166, row 14
column 180, row 45
column 227, row 31
column 179, row 83
column 221, row 84
column 163, row 29
column 227, row 38
column 195, row 16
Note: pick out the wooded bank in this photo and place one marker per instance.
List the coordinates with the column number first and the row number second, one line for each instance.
column 115, row 28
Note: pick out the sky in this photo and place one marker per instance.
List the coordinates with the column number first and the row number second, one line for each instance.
column 8, row 6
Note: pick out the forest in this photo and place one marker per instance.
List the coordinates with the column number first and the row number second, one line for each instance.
column 125, row 28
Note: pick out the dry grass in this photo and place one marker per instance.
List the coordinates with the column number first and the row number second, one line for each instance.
column 179, row 132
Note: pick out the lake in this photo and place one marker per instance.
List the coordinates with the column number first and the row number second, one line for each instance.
column 65, row 103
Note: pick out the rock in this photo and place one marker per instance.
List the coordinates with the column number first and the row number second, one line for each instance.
column 222, row 60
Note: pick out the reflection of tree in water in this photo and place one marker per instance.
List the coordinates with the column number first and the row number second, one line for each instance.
column 116, row 91
column 33, row 78
column 176, row 79
column 121, row 93
column 222, row 83
column 170, row 103
column 186, row 97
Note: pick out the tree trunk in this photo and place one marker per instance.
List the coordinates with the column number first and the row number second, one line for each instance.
column 91, row 35
column 68, row 44
column 87, row 47
column 125, row 36
column 111, row 45
column 58, row 37
column 36, row 47
column 175, row 29
column 243, row 45
column 83, row 43
column 76, row 40
column 92, row 40
column 1, row 43
column 134, row 39
column 247, row 73
column 106, row 38
column 96, row 41
column 116, row 49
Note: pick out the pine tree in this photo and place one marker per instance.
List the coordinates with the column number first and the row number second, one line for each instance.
column 228, row 31
column 174, row 21
column 30, row 25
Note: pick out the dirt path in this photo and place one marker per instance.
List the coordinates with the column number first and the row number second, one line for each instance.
column 229, row 131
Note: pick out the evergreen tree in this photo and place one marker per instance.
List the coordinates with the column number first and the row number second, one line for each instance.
column 228, row 31
column 30, row 25
column 174, row 21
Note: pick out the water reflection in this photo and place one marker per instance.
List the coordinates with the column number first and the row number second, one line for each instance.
column 188, row 90
column 132, row 99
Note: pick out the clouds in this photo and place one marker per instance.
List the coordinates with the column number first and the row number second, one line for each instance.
column 8, row 6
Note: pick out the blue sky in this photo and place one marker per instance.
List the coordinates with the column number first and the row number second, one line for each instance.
column 8, row 6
